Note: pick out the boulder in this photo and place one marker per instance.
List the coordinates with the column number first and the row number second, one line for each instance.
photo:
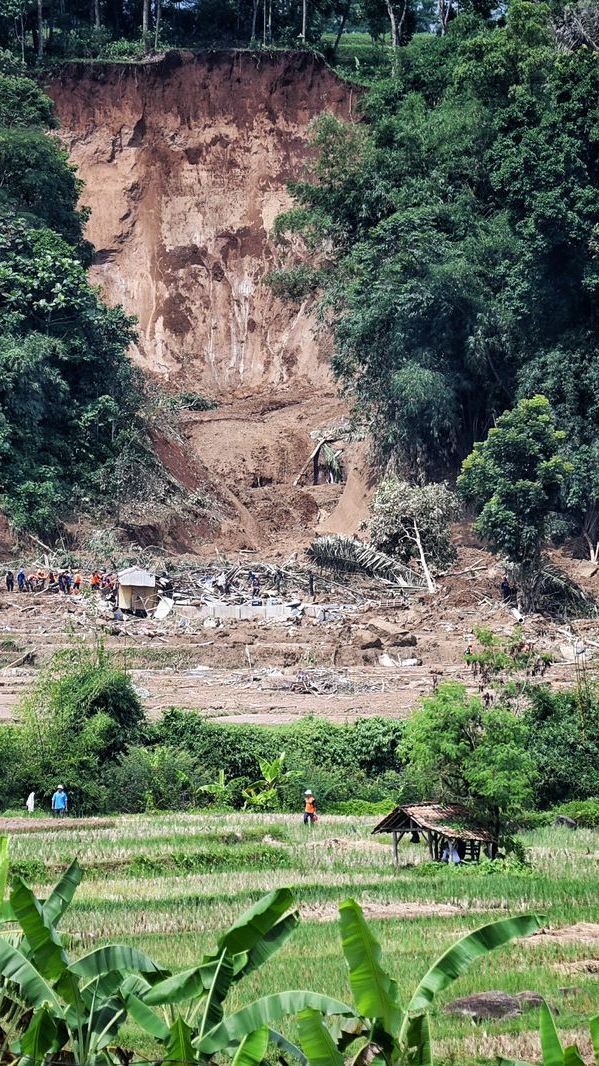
column 365, row 639
column 567, row 823
column 485, row 1005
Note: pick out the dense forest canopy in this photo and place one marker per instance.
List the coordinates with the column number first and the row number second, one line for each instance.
column 457, row 229
column 68, row 393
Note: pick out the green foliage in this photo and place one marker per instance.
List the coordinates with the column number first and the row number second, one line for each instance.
column 564, row 743
column 460, row 750
column 386, row 1029
column 569, row 377
column 264, row 794
column 515, row 478
column 295, row 283
column 398, row 507
column 359, row 808
column 79, row 696
column 586, row 812
column 23, row 104
column 158, row 778
column 459, row 227
column 66, row 385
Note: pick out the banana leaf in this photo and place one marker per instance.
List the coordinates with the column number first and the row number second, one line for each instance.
column 286, row 1047
column 45, row 947
column 265, row 1011
column 572, row 1056
column 146, row 1018
column 211, row 1008
column 103, row 1024
column 316, row 1041
column 114, row 957
column 14, row 966
column 179, row 1047
column 178, row 987
column 418, row 1040
column 3, row 866
column 594, row 1023
column 252, row 1049
column 62, row 894
column 40, row 1037
column 460, row 956
column 553, row 1052
column 249, row 929
column 375, row 993
column 269, row 944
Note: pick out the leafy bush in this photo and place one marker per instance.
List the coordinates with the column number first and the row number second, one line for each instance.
column 148, row 778
column 123, row 49
column 586, row 812
column 295, row 283
column 398, row 507
column 195, row 401
column 358, row 808
column 460, row 750
column 81, row 716
column 564, row 743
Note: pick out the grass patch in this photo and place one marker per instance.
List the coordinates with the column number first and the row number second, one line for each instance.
column 170, row 883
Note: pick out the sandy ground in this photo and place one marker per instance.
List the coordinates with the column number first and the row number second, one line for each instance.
column 380, row 658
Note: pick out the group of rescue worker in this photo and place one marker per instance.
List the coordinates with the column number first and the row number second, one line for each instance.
column 66, row 581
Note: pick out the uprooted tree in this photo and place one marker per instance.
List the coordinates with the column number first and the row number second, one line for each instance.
column 407, row 519
column 515, row 478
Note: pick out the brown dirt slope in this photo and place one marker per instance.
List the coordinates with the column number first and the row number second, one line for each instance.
column 186, row 162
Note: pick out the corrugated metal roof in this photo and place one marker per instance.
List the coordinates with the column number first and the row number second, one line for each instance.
column 135, row 575
column 451, row 820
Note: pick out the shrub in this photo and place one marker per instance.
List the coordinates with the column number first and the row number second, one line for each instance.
column 586, row 812
column 564, row 743
column 148, row 778
column 295, row 283
column 399, row 507
column 358, row 808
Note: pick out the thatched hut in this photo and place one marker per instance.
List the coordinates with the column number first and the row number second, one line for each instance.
column 444, row 827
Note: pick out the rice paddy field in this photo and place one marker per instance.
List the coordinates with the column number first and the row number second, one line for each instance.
column 170, row 883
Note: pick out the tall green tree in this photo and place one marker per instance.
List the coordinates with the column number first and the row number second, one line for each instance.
column 515, row 479
column 459, row 750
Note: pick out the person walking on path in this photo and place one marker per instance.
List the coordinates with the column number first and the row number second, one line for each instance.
column 59, row 802
column 21, row 579
column 309, row 808
column 10, row 581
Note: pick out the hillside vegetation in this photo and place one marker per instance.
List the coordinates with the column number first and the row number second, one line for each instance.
column 69, row 395
column 453, row 234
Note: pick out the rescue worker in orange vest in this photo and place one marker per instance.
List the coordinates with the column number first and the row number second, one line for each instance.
column 309, row 807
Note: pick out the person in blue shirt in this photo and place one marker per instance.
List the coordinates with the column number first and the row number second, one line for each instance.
column 59, row 802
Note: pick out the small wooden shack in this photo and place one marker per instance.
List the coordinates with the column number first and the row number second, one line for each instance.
column 440, row 826
column 137, row 589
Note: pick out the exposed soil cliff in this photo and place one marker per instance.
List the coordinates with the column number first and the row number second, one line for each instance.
column 185, row 162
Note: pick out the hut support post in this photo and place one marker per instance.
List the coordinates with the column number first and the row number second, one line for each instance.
column 395, row 848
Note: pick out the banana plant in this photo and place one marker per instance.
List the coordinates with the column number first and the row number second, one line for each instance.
column 554, row 1054
column 75, row 1004
column 191, row 1020
column 5, row 913
column 262, row 794
column 383, row 1031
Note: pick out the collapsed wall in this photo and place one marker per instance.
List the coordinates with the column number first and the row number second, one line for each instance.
column 185, row 162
